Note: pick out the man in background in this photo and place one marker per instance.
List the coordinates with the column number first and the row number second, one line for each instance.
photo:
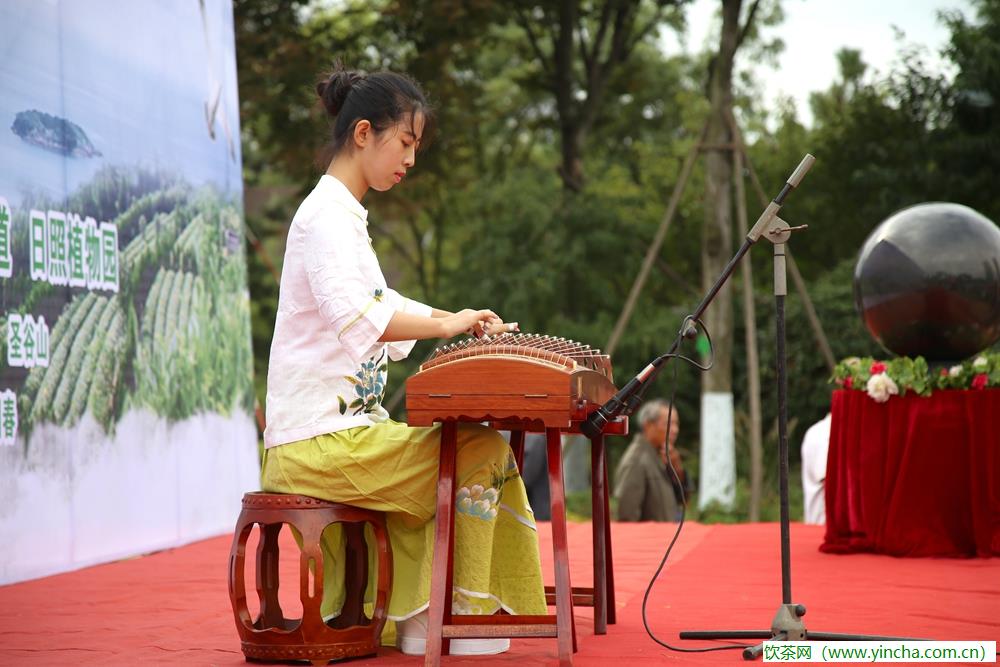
column 645, row 488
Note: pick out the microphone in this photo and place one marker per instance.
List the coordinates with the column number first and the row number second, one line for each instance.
column 629, row 396
column 594, row 425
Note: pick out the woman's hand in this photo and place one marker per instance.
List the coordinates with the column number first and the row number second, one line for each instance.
column 469, row 321
column 499, row 327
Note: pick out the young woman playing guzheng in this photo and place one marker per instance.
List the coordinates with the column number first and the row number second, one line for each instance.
column 328, row 436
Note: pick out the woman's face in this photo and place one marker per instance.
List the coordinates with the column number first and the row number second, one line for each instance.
column 385, row 161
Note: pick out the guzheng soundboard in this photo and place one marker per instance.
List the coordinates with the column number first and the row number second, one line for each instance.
column 549, row 381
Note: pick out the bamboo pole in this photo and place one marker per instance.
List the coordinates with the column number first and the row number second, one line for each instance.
column 753, row 358
column 654, row 248
column 261, row 252
column 266, row 259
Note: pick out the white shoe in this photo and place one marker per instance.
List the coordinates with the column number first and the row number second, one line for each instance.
column 411, row 639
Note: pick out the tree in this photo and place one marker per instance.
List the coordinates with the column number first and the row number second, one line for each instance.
column 969, row 144
column 829, row 104
column 718, row 482
column 579, row 47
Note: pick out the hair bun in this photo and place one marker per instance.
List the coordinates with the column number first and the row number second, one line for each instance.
column 333, row 91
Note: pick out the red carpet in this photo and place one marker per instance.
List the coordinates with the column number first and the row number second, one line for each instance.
column 172, row 607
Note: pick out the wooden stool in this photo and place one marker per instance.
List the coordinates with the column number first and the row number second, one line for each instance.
column 271, row 636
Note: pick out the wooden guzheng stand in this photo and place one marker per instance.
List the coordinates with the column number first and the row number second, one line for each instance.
column 522, row 383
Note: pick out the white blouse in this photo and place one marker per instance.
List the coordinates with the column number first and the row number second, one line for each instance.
column 328, row 370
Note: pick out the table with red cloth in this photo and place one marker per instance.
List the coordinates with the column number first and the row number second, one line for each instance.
column 914, row 476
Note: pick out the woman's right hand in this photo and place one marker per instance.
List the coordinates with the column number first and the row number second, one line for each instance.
column 467, row 320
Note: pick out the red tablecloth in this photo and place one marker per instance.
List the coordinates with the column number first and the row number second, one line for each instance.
column 914, row 476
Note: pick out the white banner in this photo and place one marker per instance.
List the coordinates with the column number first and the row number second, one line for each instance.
column 126, row 388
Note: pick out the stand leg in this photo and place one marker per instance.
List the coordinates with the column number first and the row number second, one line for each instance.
column 439, row 611
column 560, row 547
column 609, row 563
column 779, row 309
column 599, row 525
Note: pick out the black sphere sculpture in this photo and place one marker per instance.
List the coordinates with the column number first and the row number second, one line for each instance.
column 927, row 282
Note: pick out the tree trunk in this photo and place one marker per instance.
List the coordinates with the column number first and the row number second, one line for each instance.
column 718, row 478
column 571, row 169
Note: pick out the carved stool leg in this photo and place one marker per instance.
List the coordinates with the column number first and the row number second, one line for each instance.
column 356, row 572
column 384, row 551
column 237, row 565
column 267, row 577
column 311, row 574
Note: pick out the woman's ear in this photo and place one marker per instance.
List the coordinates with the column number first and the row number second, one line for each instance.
column 362, row 133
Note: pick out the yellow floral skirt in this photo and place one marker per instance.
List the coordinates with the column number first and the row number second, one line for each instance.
column 393, row 468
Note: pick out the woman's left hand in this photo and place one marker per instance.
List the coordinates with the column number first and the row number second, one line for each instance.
column 497, row 327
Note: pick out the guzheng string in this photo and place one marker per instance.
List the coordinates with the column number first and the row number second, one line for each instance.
column 562, row 351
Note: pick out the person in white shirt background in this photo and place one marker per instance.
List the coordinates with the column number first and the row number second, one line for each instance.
column 338, row 325
column 815, row 445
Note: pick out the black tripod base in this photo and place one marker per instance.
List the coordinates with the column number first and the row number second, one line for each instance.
column 786, row 626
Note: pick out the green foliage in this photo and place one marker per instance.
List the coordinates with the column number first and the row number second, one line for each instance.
column 578, row 506
column 770, row 505
column 911, row 375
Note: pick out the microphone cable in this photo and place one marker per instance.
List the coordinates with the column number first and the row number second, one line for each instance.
column 678, row 485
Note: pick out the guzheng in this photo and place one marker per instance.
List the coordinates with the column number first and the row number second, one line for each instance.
column 552, row 382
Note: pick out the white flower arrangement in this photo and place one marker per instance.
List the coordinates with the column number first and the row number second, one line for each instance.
column 880, row 387
column 903, row 375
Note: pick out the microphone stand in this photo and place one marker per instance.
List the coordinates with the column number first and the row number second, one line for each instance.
column 787, row 623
